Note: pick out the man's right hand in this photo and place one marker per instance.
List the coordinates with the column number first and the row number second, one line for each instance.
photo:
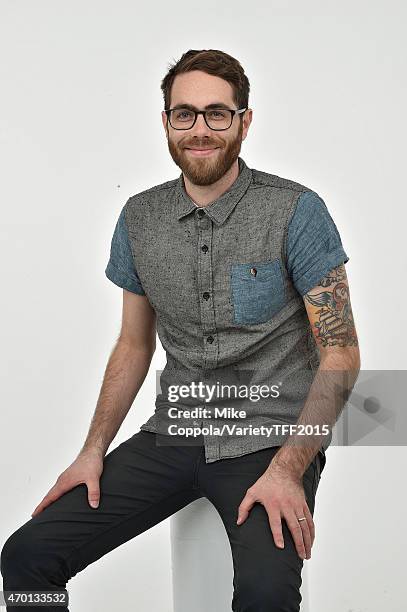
column 87, row 468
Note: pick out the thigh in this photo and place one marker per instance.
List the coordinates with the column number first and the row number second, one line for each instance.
column 142, row 483
column 265, row 576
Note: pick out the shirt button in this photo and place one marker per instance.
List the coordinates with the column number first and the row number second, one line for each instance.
column 200, row 213
column 205, row 295
column 210, row 339
column 204, row 248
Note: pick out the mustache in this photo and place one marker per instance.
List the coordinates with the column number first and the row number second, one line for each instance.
column 205, row 144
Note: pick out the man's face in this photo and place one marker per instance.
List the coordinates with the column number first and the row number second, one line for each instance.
column 201, row 89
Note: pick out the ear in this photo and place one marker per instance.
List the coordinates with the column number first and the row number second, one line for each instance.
column 165, row 122
column 247, row 119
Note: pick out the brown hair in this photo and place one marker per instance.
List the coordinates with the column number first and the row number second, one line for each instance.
column 213, row 62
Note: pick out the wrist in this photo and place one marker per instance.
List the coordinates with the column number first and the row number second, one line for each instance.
column 92, row 450
column 284, row 470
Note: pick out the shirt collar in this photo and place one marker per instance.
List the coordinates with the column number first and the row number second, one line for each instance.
column 220, row 209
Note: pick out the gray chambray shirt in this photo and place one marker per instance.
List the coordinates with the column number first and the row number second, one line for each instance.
column 226, row 282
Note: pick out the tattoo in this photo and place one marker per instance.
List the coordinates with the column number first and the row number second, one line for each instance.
column 334, row 276
column 335, row 325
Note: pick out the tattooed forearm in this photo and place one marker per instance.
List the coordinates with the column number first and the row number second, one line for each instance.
column 333, row 319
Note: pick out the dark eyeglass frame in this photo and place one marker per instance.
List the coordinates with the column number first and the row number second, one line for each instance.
column 203, row 112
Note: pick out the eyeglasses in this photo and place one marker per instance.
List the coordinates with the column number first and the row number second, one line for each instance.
column 215, row 118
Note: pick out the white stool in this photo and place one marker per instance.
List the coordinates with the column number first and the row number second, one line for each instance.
column 202, row 566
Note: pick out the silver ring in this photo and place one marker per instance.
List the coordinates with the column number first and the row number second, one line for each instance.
column 302, row 519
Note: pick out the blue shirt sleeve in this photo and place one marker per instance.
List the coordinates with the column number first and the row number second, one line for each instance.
column 313, row 245
column 120, row 268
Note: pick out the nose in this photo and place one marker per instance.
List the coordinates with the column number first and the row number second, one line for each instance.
column 200, row 128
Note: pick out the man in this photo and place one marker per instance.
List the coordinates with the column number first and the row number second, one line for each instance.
column 242, row 274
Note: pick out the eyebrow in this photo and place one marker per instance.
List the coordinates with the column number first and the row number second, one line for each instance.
column 209, row 106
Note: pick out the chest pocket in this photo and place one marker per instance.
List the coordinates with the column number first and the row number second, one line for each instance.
column 258, row 291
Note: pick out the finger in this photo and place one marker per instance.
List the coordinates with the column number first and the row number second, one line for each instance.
column 43, row 504
column 52, row 495
column 93, row 493
column 306, row 535
column 245, row 506
column 296, row 531
column 275, row 525
column 310, row 521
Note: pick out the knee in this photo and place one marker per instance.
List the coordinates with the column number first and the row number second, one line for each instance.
column 267, row 596
column 16, row 553
column 27, row 559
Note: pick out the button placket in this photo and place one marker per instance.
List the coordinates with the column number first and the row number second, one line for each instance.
column 205, row 284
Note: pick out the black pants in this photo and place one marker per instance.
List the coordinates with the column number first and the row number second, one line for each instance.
column 143, row 483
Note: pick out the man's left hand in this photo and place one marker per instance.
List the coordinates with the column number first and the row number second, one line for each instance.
column 282, row 495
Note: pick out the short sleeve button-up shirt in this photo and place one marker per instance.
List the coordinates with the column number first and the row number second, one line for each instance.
column 227, row 283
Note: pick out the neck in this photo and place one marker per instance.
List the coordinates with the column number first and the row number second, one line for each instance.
column 205, row 194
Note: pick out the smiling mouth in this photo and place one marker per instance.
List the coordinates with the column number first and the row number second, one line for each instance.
column 201, row 152
column 200, row 149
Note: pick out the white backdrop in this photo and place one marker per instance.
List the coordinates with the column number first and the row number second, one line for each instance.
column 80, row 131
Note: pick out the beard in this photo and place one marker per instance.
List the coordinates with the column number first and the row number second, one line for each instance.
column 206, row 171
